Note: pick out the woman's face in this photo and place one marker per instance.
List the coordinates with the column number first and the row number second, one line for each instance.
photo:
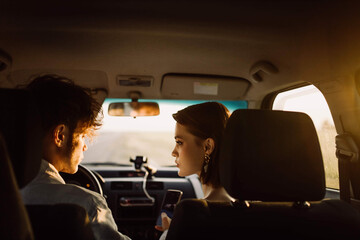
column 189, row 151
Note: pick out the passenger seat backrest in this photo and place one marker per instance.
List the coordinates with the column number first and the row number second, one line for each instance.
column 272, row 156
column 60, row 221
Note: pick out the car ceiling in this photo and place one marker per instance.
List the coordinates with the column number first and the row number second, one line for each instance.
column 94, row 41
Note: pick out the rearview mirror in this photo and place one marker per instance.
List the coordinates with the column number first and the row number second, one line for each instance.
column 134, row 109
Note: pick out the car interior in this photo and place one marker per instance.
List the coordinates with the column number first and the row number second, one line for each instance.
column 288, row 71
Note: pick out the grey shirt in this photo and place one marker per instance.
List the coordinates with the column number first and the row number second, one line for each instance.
column 49, row 187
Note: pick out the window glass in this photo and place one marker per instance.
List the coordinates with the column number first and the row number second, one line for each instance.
column 312, row 102
column 122, row 138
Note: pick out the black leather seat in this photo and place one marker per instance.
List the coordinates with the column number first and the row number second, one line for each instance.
column 20, row 159
column 20, row 126
column 271, row 163
column 14, row 219
column 60, row 222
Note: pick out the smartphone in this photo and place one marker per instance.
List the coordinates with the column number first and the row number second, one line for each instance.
column 171, row 198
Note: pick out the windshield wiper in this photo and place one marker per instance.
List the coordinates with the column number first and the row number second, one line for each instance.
column 107, row 163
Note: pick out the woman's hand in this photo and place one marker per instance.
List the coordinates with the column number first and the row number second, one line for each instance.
column 165, row 222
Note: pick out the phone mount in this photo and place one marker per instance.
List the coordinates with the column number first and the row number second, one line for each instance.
column 149, row 172
column 140, row 163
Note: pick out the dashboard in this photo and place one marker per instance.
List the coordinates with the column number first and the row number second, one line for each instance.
column 122, row 187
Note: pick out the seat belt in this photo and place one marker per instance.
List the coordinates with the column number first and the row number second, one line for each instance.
column 347, row 153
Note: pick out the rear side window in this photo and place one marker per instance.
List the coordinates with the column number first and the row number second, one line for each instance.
column 312, row 102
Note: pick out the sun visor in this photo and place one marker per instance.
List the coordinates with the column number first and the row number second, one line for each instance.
column 186, row 86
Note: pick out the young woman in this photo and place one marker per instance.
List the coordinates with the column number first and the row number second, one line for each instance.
column 198, row 132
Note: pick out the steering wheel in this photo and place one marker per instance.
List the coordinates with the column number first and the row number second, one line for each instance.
column 85, row 178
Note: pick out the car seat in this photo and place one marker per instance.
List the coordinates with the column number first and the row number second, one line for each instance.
column 14, row 220
column 271, row 162
column 20, row 127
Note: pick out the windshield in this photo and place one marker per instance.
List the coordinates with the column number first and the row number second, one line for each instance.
column 122, row 138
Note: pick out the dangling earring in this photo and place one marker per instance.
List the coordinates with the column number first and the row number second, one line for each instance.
column 207, row 160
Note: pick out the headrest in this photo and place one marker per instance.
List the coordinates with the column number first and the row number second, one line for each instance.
column 20, row 125
column 271, row 156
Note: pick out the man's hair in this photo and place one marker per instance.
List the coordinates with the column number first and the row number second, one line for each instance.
column 60, row 101
column 206, row 120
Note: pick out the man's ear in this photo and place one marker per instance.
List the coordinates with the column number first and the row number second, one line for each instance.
column 59, row 135
column 209, row 145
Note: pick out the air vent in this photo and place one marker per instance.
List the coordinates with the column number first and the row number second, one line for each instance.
column 167, row 174
column 108, row 174
column 121, row 185
column 155, row 185
column 134, row 81
column 125, row 173
column 131, row 174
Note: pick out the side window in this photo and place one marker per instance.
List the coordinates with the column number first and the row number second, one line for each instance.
column 312, row 102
